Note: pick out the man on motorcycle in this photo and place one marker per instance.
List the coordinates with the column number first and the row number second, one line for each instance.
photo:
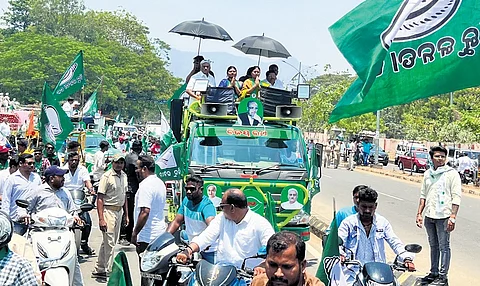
column 464, row 163
column 240, row 232
column 50, row 195
column 196, row 211
column 285, row 263
column 75, row 179
column 365, row 235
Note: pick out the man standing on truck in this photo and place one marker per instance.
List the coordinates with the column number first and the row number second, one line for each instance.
column 196, row 211
column 204, row 73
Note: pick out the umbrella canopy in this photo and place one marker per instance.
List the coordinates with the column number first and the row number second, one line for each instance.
column 201, row 29
column 262, row 46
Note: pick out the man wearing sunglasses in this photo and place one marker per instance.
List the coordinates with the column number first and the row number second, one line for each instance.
column 50, row 154
column 20, row 185
column 196, row 211
column 240, row 232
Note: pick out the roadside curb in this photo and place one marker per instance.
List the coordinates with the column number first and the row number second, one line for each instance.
column 318, row 226
column 465, row 189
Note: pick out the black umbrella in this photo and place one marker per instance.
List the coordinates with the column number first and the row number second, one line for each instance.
column 201, row 29
column 262, row 46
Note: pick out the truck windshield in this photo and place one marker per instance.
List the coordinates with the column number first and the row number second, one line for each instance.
column 251, row 152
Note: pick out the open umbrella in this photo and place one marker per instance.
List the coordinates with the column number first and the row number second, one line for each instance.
column 262, row 46
column 201, row 29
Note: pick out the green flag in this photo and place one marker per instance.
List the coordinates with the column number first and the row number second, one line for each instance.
column 91, row 106
column 170, row 163
column 166, row 133
column 330, row 270
column 72, row 80
column 177, row 94
column 55, row 125
column 404, row 50
column 120, row 275
column 130, row 122
column 117, row 118
column 144, row 144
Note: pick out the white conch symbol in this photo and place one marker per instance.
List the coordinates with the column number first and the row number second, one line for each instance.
column 416, row 19
column 69, row 74
column 54, row 128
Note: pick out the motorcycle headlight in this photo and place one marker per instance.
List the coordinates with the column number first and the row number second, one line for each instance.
column 150, row 260
column 54, row 221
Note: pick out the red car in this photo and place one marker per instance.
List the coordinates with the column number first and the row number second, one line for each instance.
column 417, row 163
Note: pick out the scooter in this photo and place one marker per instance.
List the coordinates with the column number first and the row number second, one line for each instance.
column 53, row 243
column 378, row 273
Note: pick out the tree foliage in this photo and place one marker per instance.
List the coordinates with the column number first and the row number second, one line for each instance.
column 43, row 36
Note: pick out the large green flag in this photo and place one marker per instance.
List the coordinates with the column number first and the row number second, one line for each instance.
column 170, row 164
column 55, row 125
column 404, row 50
column 330, row 270
column 91, row 106
column 120, row 275
column 177, row 94
column 130, row 122
column 72, row 80
column 166, row 133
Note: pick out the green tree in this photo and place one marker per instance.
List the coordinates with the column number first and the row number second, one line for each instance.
column 18, row 16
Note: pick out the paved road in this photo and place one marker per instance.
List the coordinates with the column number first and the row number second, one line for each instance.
column 87, row 263
column 398, row 202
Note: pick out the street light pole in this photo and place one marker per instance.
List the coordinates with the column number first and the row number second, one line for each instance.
column 299, row 71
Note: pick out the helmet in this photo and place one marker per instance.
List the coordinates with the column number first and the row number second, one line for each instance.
column 6, row 229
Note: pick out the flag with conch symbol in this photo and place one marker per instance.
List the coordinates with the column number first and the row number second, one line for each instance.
column 72, row 80
column 405, row 50
column 55, row 125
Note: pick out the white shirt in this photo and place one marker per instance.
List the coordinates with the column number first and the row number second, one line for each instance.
column 68, row 108
column 5, row 129
column 151, row 194
column 77, row 180
column 464, row 163
column 291, row 206
column 278, row 84
column 4, row 174
column 18, row 187
column 99, row 165
column 236, row 241
column 191, row 83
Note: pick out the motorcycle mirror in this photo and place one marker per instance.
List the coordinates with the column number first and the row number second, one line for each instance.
column 184, row 237
column 87, row 207
column 413, row 248
column 340, row 241
column 262, row 252
column 22, row 203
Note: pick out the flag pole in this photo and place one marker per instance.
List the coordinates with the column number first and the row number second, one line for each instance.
column 334, row 208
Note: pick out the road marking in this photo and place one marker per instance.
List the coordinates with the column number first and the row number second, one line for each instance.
column 327, row 176
column 313, row 251
column 390, row 196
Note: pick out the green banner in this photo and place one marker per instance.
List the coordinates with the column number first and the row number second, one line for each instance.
column 91, row 106
column 55, row 125
column 72, row 80
column 170, row 163
column 404, row 50
column 130, row 122
column 330, row 269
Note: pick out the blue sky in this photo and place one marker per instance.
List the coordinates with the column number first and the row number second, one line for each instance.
column 301, row 25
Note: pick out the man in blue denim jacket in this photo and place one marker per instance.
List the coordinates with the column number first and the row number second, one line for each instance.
column 365, row 235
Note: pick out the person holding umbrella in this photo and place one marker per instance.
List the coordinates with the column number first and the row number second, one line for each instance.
column 204, row 73
column 231, row 80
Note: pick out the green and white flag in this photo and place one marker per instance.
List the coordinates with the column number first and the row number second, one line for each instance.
column 72, row 80
column 169, row 164
column 166, row 133
column 330, row 270
column 91, row 106
column 55, row 125
column 404, row 50
column 117, row 118
column 130, row 122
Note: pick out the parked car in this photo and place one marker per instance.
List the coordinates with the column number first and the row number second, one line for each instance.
column 415, row 161
column 405, row 147
column 382, row 157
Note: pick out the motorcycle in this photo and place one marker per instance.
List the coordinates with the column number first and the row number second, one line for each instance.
column 80, row 198
column 467, row 176
column 378, row 273
column 50, row 234
column 159, row 265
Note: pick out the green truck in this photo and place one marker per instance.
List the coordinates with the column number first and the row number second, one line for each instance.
column 268, row 162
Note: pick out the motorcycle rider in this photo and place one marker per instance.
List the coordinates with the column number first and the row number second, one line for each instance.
column 49, row 195
column 464, row 163
column 285, row 263
column 239, row 231
column 365, row 235
column 14, row 269
column 75, row 179
column 196, row 211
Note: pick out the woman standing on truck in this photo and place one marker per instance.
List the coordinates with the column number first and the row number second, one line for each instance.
column 231, row 80
column 251, row 86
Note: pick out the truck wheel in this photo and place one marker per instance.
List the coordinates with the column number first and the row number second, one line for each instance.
column 400, row 165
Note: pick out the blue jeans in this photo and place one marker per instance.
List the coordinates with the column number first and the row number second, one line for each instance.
column 19, row 228
column 439, row 240
column 365, row 158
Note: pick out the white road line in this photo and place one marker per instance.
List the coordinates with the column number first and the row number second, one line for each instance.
column 390, row 196
column 315, row 253
column 326, row 176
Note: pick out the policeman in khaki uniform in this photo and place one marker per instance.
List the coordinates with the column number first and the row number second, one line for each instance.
column 110, row 202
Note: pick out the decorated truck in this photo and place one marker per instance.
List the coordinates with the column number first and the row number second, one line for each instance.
column 268, row 161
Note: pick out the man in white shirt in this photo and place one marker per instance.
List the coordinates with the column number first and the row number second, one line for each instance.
column 204, row 73
column 150, row 201
column 278, row 82
column 68, row 107
column 5, row 128
column 76, row 178
column 240, row 232
column 20, row 185
column 99, row 164
column 464, row 163
column 4, row 174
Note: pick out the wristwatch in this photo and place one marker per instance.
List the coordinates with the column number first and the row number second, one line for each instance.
column 452, row 220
